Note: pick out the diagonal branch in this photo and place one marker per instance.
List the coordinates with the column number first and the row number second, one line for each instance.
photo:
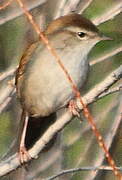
column 70, row 6
column 8, row 90
column 107, row 55
column 5, row 5
column 8, row 72
column 69, row 171
column 111, row 91
column 109, row 13
column 109, row 140
column 16, row 12
column 83, row 5
column 102, row 87
column 13, row 162
column 7, row 100
column 74, row 87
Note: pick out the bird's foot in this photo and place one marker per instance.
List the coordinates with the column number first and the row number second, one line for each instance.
column 24, row 156
column 74, row 108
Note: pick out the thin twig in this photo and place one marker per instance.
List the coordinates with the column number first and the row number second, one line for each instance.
column 87, row 128
column 6, row 92
column 5, row 5
column 109, row 13
column 111, row 91
column 75, row 89
column 11, row 72
column 7, row 100
column 83, row 5
column 109, row 139
column 63, row 172
column 18, row 12
column 7, row 73
column 98, row 135
column 70, row 6
column 105, row 56
column 104, row 85
column 42, row 167
column 59, row 10
column 91, row 141
column 13, row 162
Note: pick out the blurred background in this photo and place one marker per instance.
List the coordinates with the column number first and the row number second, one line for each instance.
column 76, row 146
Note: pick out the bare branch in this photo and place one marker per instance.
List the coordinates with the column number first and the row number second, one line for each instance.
column 6, row 92
column 109, row 139
column 59, row 10
column 8, row 72
column 87, row 128
column 76, row 5
column 102, row 87
column 111, row 91
column 52, row 159
column 53, row 129
column 70, row 6
column 109, row 13
column 105, row 56
column 4, row 104
column 7, row 100
column 83, row 5
column 13, row 162
column 16, row 12
column 68, row 171
column 5, row 5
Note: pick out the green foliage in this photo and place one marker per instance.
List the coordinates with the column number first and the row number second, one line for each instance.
column 5, row 132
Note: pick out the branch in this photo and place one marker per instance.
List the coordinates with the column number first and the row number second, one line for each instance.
column 16, row 12
column 8, row 72
column 105, row 56
column 5, row 5
column 7, row 100
column 105, row 168
column 47, row 164
column 109, row 14
column 59, row 10
column 70, row 6
column 76, row 5
column 13, row 162
column 111, row 91
column 87, row 128
column 83, row 5
column 7, row 94
column 94, row 94
column 11, row 72
column 113, row 129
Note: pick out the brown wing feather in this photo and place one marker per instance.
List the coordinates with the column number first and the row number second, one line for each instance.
column 24, row 60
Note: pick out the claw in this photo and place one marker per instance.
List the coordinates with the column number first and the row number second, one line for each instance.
column 73, row 108
column 24, row 156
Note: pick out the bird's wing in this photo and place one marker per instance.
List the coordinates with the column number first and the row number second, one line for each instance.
column 24, row 60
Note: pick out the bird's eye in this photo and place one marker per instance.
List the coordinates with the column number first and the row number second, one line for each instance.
column 81, row 34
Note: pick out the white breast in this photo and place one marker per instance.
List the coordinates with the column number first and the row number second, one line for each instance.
column 47, row 88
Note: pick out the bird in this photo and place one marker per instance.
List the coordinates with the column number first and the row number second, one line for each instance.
column 42, row 86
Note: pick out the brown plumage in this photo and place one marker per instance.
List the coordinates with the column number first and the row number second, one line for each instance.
column 75, row 20
column 23, row 61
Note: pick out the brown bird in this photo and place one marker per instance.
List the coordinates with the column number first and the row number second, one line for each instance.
column 42, row 86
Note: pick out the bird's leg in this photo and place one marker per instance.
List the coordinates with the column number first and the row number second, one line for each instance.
column 23, row 153
column 73, row 108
